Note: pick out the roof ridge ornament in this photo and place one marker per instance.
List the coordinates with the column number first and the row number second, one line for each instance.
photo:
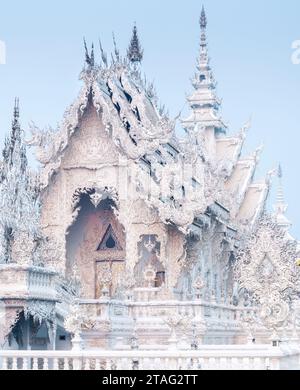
column 89, row 57
column 103, row 54
column 14, row 147
column 246, row 127
column 116, row 50
column 280, row 173
column 135, row 52
column 280, row 206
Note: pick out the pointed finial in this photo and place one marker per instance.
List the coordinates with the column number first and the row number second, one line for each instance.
column 16, row 115
column 117, row 51
column 280, row 173
column 16, row 110
column 89, row 59
column 203, row 19
column 103, row 54
column 15, row 135
column 92, row 55
column 245, row 128
column 135, row 51
column 280, row 207
column 280, row 194
column 259, row 151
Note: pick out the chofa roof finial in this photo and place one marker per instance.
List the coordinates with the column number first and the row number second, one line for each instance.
column 103, row 54
column 280, row 173
column 89, row 58
column 117, row 51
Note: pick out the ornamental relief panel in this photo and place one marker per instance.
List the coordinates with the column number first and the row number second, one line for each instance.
column 52, row 201
column 134, row 235
column 149, row 270
column 266, row 268
column 176, row 254
column 90, row 144
column 9, row 317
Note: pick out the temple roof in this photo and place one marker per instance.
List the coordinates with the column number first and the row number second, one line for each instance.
column 143, row 132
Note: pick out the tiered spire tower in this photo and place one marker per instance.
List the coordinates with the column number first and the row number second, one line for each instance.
column 280, row 206
column 14, row 153
column 203, row 101
column 18, row 191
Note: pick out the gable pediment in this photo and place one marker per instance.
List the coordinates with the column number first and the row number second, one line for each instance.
column 90, row 146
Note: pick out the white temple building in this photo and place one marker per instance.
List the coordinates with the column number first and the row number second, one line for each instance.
column 135, row 245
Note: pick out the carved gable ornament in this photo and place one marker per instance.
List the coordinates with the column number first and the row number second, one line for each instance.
column 266, row 268
column 95, row 194
column 136, row 125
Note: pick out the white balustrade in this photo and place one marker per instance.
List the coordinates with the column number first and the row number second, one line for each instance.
column 237, row 357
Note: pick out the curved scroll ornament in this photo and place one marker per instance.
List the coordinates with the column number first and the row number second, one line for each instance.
column 198, row 286
column 40, row 311
column 95, row 194
column 9, row 316
column 23, row 248
column 266, row 269
column 171, row 192
column 106, row 280
column 78, row 320
column 51, row 251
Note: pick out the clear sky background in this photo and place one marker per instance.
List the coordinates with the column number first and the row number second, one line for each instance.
column 250, row 46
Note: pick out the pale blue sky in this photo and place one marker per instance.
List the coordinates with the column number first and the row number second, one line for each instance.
column 250, row 46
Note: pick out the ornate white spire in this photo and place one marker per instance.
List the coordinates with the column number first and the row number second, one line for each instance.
column 280, row 206
column 135, row 52
column 19, row 192
column 203, row 101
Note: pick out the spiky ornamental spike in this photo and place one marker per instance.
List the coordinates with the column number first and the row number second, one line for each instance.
column 92, row 56
column 203, row 42
column 103, row 54
column 135, row 52
column 89, row 58
column 13, row 142
column 280, row 194
column 117, row 51
column 203, row 19
column 16, row 110
column 280, row 173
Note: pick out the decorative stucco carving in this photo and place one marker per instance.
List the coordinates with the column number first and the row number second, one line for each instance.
column 266, row 269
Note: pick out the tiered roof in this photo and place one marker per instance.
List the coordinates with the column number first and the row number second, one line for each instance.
column 143, row 132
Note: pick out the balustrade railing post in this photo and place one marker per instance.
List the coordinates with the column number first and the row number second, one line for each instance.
column 77, row 363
